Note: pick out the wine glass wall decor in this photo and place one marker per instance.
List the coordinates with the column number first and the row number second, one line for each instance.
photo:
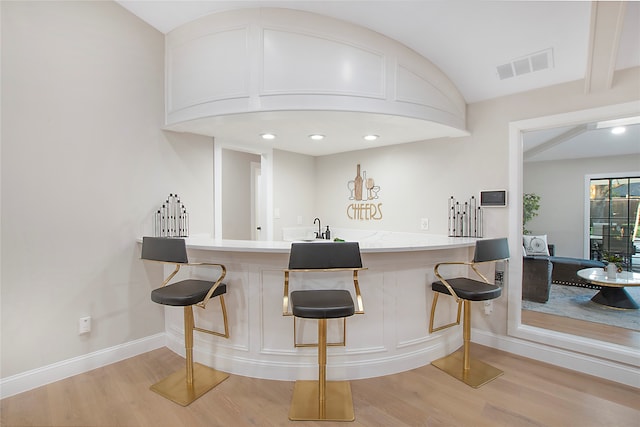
column 363, row 191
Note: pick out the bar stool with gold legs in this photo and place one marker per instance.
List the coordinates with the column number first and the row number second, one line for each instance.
column 464, row 290
column 322, row 399
column 186, row 385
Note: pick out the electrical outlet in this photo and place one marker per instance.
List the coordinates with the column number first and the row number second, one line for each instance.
column 488, row 307
column 424, row 223
column 499, row 274
column 84, row 325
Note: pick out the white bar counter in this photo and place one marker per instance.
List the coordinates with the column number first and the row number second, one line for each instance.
column 392, row 336
column 370, row 242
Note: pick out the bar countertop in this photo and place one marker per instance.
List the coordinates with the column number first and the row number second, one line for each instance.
column 370, row 242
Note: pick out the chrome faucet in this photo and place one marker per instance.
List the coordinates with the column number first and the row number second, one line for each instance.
column 319, row 234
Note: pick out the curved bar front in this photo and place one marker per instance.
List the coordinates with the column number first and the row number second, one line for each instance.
column 392, row 336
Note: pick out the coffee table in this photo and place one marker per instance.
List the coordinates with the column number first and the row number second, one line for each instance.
column 612, row 293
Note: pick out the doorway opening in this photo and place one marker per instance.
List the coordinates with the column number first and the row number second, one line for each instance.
column 243, row 194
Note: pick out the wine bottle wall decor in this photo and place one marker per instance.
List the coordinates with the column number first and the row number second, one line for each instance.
column 363, row 194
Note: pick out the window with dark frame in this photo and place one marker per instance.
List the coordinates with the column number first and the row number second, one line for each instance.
column 614, row 206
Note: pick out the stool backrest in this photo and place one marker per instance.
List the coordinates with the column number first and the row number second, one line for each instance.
column 491, row 250
column 166, row 249
column 324, row 255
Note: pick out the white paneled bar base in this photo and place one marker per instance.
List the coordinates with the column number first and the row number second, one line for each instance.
column 278, row 60
column 390, row 337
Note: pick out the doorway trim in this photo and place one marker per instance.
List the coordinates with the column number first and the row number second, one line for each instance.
column 565, row 349
column 257, row 203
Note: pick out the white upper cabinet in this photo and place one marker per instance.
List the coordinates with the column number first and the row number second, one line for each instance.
column 209, row 69
column 262, row 60
column 312, row 64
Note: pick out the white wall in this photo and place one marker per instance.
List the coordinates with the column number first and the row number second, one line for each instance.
column 416, row 181
column 236, row 194
column 295, row 197
column 561, row 187
column 84, row 165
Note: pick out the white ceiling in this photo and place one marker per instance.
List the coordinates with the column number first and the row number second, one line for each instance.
column 466, row 39
column 580, row 141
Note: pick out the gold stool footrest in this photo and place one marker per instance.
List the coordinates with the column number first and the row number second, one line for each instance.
column 175, row 387
column 478, row 374
column 305, row 402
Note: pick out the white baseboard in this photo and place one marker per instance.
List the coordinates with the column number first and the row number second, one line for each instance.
column 606, row 369
column 25, row 381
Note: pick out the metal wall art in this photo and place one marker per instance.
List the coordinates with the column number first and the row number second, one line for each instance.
column 172, row 219
column 464, row 220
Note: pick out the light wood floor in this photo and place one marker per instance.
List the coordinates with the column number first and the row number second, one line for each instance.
column 530, row 393
column 597, row 331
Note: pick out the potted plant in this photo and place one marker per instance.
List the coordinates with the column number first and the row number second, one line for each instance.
column 530, row 206
column 613, row 259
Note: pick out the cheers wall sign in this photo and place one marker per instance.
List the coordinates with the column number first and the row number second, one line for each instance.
column 363, row 193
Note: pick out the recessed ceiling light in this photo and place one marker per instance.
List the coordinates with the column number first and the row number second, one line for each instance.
column 618, row 130
column 316, row 137
column 268, row 136
column 370, row 137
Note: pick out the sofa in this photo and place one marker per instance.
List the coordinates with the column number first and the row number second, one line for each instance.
column 540, row 271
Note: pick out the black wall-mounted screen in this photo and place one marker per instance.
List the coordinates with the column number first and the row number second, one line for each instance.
column 493, row 198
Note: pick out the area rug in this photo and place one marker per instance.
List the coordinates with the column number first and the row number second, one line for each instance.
column 575, row 302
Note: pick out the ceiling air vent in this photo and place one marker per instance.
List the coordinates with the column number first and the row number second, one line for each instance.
column 534, row 62
column 505, row 71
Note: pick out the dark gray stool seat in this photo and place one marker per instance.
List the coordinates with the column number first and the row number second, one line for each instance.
column 322, row 304
column 469, row 289
column 186, row 292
